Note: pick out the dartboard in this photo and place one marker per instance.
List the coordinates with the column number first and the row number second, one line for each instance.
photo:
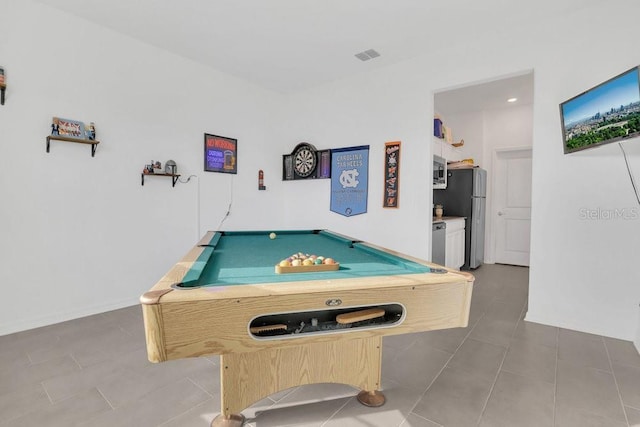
column 305, row 160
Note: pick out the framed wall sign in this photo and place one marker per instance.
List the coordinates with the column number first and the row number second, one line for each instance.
column 220, row 154
column 391, row 174
column 68, row 128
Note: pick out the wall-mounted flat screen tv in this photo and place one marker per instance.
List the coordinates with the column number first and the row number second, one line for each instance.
column 606, row 113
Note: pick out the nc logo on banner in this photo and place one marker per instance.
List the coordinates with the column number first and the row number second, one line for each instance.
column 349, row 180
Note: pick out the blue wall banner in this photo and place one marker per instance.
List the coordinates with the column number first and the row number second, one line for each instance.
column 349, row 180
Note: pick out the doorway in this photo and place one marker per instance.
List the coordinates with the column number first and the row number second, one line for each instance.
column 498, row 135
column 511, row 213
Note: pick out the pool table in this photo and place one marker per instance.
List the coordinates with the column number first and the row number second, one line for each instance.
column 274, row 330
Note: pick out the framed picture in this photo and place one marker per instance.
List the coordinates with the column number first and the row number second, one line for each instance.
column 68, row 128
column 220, row 154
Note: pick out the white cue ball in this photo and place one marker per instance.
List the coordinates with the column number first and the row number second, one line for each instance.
column 272, row 236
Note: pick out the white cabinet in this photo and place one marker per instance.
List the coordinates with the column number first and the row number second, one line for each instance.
column 454, row 247
column 443, row 149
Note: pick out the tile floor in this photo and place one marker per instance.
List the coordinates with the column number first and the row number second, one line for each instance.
column 499, row 371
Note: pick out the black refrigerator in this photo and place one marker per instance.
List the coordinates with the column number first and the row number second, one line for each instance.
column 465, row 196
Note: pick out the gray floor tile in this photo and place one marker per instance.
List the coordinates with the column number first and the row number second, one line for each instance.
column 21, row 401
column 531, row 360
column 278, row 396
column 478, row 358
column 200, row 415
column 456, row 398
column 130, row 385
column 497, row 371
column 537, row 334
column 415, row 367
column 399, row 401
column 446, row 339
column 208, row 379
column 67, row 385
column 106, row 347
column 13, row 360
column 622, row 352
column 583, row 349
column 519, row 401
column 24, row 342
column 414, row 420
column 588, row 390
column 498, row 325
column 396, row 343
column 479, row 306
column 153, row 409
column 567, row 416
column 633, row 415
column 309, row 405
column 36, row 373
column 66, row 413
column 87, row 350
column 628, row 379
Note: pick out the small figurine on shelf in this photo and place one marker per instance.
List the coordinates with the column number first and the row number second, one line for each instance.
column 55, row 126
column 148, row 169
column 170, row 167
column 156, row 165
column 91, row 131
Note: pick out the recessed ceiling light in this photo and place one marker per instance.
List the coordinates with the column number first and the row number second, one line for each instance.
column 512, row 100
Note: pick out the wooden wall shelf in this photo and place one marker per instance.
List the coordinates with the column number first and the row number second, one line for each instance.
column 174, row 177
column 2, row 89
column 78, row 140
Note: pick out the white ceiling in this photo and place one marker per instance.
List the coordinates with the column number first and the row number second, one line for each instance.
column 291, row 45
column 484, row 96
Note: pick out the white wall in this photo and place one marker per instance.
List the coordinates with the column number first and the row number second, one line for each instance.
column 468, row 126
column 583, row 273
column 371, row 109
column 79, row 234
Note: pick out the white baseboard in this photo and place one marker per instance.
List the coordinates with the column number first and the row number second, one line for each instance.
column 50, row 319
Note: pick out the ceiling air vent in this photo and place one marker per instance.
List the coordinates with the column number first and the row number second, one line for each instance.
column 367, row 55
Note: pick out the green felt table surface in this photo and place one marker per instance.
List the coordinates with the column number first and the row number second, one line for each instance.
column 241, row 258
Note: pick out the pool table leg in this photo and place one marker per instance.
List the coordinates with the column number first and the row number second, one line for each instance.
column 245, row 378
column 233, row 420
column 372, row 399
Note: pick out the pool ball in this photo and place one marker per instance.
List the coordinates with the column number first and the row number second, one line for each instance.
column 272, row 236
column 329, row 261
column 285, row 263
column 307, row 261
column 296, row 263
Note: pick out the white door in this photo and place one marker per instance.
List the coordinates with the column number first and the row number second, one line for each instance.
column 512, row 206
